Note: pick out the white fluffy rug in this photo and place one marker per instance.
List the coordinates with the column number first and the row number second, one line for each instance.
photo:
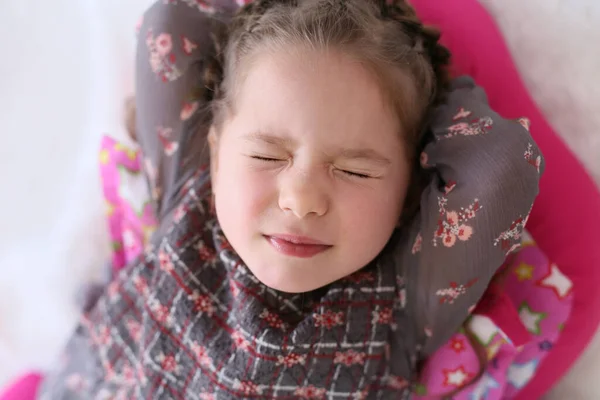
column 67, row 65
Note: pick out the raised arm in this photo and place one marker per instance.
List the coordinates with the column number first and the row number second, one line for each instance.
column 486, row 173
column 171, row 124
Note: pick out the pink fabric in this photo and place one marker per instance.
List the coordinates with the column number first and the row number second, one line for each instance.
column 131, row 221
column 566, row 215
column 517, row 323
column 498, row 305
column 24, row 388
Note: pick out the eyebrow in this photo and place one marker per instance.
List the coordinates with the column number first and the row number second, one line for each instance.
column 365, row 154
column 269, row 139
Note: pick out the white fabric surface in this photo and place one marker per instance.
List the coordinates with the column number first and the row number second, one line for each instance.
column 67, row 65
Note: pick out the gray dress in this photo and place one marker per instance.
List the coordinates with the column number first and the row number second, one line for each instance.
column 190, row 321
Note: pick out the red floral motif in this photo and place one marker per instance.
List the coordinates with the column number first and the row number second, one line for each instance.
column 206, row 252
column 169, row 146
column 248, row 388
column 235, row 291
column 310, row 392
column 448, row 295
column 204, row 6
column 418, row 244
column 328, row 319
column 524, row 122
column 162, row 60
column 476, row 127
column 291, row 359
column 165, row 261
column 201, row 354
column 461, row 113
column 240, row 341
column 162, row 313
column 168, row 363
column 202, row 303
column 349, row 357
column 188, row 46
column 510, row 239
column 537, row 161
column 128, row 374
column 180, row 212
column 383, row 316
column 163, row 44
column 272, row 319
column 452, row 224
column 102, row 335
column 449, row 186
column 140, row 284
column 135, row 329
column 188, row 110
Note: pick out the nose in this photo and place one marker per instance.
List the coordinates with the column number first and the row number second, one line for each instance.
column 303, row 194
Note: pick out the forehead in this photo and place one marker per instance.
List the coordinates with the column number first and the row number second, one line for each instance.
column 310, row 95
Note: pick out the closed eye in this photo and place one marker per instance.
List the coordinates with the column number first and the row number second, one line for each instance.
column 266, row 159
column 356, row 174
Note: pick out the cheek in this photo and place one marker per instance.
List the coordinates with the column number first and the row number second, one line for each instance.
column 242, row 195
column 370, row 217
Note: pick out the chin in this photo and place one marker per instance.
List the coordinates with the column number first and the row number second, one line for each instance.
column 288, row 282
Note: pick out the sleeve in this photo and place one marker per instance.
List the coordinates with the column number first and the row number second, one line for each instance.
column 174, row 41
column 170, row 127
column 486, row 173
column 102, row 354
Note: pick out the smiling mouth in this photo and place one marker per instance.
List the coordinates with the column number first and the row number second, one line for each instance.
column 297, row 246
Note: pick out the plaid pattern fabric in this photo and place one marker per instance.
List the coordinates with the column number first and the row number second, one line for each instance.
column 189, row 321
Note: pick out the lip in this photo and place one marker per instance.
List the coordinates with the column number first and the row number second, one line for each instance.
column 296, row 246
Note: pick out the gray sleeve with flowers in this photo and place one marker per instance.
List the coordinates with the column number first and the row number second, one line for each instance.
column 486, row 172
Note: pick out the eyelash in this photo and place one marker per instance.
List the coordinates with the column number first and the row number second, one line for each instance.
column 266, row 159
column 349, row 173
column 356, row 175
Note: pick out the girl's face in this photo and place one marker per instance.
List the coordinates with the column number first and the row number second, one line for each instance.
column 309, row 174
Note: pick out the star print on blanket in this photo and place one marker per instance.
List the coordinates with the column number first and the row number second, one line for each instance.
column 515, row 332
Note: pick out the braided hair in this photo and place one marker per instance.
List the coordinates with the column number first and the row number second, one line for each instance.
column 388, row 29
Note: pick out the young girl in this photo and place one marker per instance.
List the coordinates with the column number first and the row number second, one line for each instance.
column 308, row 261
